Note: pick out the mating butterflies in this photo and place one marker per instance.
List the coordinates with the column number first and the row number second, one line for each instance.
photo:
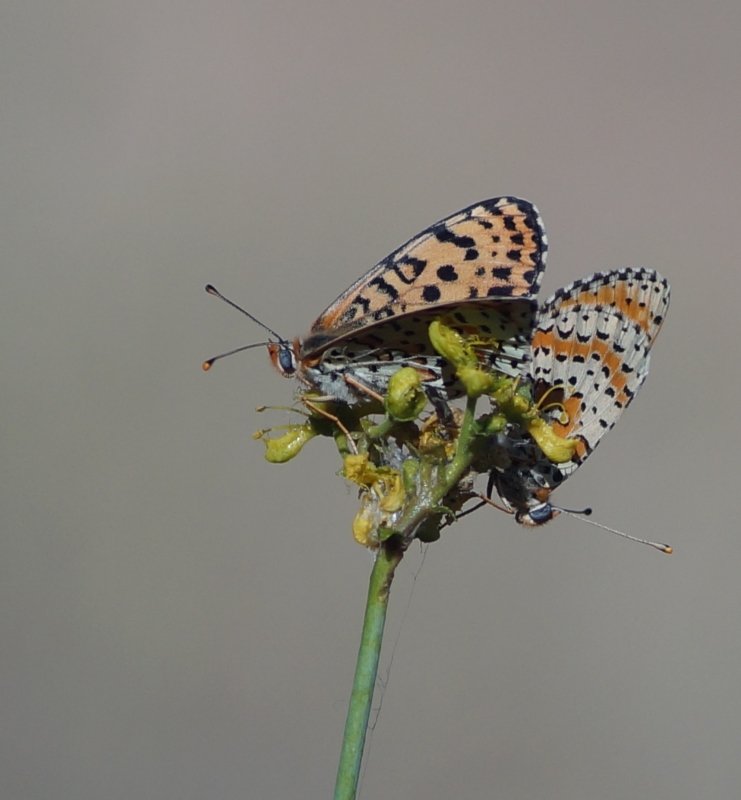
column 584, row 353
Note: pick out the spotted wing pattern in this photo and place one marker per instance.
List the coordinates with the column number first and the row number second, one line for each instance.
column 488, row 257
column 640, row 294
column 491, row 250
column 371, row 356
column 589, row 359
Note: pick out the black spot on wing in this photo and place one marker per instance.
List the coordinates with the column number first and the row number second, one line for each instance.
column 386, row 288
column 446, row 236
column 529, row 276
column 447, row 273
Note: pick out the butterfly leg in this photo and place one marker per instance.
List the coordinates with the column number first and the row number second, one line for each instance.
column 439, row 402
column 485, row 500
column 362, row 388
column 337, row 421
column 489, row 491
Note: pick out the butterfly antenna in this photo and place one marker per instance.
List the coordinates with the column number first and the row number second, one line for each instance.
column 216, row 293
column 664, row 548
column 584, row 512
column 208, row 364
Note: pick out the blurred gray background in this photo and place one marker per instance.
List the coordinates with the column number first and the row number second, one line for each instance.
column 180, row 619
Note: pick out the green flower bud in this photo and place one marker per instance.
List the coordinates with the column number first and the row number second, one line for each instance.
column 475, row 380
column 284, row 448
column 405, row 398
column 496, row 423
column 459, row 352
column 512, row 399
column 451, row 345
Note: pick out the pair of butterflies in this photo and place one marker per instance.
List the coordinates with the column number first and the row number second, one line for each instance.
column 587, row 347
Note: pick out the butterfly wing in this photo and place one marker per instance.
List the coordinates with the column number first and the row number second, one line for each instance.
column 491, row 250
column 590, row 356
column 590, row 361
column 593, row 357
column 640, row 294
column 502, row 329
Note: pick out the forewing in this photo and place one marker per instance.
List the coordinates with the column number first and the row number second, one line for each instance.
column 491, row 250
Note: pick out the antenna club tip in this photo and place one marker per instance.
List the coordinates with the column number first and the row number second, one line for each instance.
column 587, row 512
column 206, row 366
column 666, row 549
column 211, row 289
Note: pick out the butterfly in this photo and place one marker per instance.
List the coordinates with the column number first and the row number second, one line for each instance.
column 590, row 356
column 482, row 266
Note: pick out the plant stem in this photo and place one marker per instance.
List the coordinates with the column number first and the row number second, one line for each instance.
column 388, row 557
column 464, row 450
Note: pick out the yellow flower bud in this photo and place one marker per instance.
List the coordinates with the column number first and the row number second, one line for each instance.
column 363, row 526
column 390, row 487
column 358, row 469
column 383, row 495
column 554, row 447
column 512, row 398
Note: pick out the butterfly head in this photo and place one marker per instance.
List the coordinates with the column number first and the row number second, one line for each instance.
column 533, row 507
column 284, row 356
column 537, row 514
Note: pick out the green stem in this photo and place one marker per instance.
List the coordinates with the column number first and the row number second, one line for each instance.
column 435, row 490
column 387, row 559
column 464, row 449
column 382, row 429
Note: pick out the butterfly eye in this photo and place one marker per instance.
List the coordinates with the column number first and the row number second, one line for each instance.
column 286, row 361
column 540, row 514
